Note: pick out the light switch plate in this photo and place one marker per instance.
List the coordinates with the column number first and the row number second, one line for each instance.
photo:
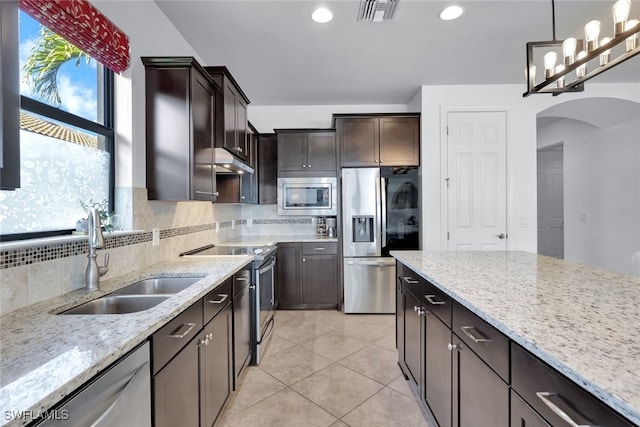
column 217, row 227
column 233, row 224
column 249, row 223
column 155, row 241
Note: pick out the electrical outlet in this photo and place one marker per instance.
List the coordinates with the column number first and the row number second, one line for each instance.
column 249, row 223
column 156, row 237
column 217, row 227
column 233, row 224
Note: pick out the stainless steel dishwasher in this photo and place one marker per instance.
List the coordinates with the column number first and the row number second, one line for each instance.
column 120, row 396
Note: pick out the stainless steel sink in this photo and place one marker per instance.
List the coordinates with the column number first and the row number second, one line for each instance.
column 118, row 304
column 158, row 286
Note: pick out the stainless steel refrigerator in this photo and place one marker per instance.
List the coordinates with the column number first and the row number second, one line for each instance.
column 380, row 212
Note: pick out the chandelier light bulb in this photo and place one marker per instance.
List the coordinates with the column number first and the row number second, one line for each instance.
column 604, row 56
column 569, row 50
column 591, row 33
column 549, row 64
column 620, row 14
column 632, row 41
column 581, row 70
column 558, row 70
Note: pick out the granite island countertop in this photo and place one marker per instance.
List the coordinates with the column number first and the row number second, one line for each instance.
column 581, row 320
column 44, row 357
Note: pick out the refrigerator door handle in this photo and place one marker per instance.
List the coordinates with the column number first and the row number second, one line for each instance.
column 378, row 222
column 383, row 215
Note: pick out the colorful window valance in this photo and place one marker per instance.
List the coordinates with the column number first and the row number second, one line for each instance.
column 83, row 25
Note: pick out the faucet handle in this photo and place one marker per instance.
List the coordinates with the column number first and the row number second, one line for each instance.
column 106, row 259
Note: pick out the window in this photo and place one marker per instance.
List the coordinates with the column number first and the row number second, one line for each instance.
column 66, row 136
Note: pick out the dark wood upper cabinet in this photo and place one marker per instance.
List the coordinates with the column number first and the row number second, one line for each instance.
column 180, row 135
column 9, row 97
column 242, row 188
column 268, row 168
column 233, row 113
column 378, row 140
column 306, row 152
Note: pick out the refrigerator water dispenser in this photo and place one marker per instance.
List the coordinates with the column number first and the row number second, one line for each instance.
column 363, row 229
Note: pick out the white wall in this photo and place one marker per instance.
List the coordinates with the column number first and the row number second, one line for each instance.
column 521, row 150
column 601, row 192
column 267, row 118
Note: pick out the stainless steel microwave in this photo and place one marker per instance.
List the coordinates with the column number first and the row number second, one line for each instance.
column 307, row 196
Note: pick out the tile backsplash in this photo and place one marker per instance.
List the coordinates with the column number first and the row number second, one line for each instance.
column 31, row 271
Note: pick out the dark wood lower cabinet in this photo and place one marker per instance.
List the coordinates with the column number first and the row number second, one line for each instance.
column 480, row 397
column 522, row 415
column 176, row 389
column 414, row 341
column 241, row 322
column 438, row 369
column 289, row 275
column 319, row 278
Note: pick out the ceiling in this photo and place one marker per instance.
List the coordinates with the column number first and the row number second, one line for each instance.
column 279, row 56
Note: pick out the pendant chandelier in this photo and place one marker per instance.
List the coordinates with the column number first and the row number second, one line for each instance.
column 569, row 63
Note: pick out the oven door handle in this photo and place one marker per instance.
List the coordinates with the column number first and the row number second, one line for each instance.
column 267, row 329
column 268, row 267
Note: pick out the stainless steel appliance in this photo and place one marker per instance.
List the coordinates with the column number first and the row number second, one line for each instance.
column 119, row 396
column 262, row 290
column 308, row 196
column 381, row 212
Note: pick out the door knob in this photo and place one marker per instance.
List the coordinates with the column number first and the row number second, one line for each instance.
column 501, row 236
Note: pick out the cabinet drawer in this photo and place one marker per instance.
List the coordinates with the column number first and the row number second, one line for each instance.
column 412, row 282
column 437, row 302
column 550, row 394
column 169, row 339
column 488, row 343
column 523, row 415
column 241, row 280
column 216, row 300
column 319, row 248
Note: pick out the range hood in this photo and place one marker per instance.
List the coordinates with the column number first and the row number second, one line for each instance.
column 227, row 163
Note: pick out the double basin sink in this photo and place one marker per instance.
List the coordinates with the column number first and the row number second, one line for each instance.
column 138, row 296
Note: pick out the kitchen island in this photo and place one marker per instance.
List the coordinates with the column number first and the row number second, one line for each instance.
column 44, row 357
column 580, row 320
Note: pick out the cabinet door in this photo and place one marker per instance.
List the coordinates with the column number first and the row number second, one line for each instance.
column 413, row 339
column 289, row 275
column 230, row 141
column 176, row 389
column 319, row 280
column 292, row 152
column 522, row 415
column 268, row 169
column 438, row 369
column 400, row 304
column 399, row 141
column 241, row 329
column 203, row 184
column 242, row 128
column 321, row 151
column 216, row 385
column 478, row 392
column 359, row 141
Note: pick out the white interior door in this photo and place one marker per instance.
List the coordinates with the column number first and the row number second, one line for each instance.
column 476, row 181
column 551, row 201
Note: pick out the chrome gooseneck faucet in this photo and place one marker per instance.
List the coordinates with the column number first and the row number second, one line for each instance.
column 96, row 241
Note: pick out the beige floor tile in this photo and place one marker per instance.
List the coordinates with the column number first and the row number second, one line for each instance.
column 293, row 364
column 337, row 389
column 388, row 320
column 334, row 345
column 278, row 343
column 374, row 362
column 402, row 386
column 388, row 342
column 387, row 408
column 364, row 331
column 339, row 424
column 300, row 330
column 257, row 385
column 283, row 409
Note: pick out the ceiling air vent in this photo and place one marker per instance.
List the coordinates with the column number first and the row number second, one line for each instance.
column 377, row 10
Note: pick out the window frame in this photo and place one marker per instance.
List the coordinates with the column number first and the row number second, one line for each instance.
column 106, row 130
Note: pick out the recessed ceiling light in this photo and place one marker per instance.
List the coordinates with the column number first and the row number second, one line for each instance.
column 451, row 12
column 322, row 15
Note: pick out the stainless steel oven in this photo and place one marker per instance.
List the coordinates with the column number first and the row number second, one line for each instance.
column 308, row 196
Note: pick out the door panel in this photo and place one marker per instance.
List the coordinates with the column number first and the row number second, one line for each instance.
column 203, row 185
column 288, row 275
column 216, row 385
column 241, row 329
column 438, row 370
column 319, row 279
column 399, row 141
column 292, row 155
column 321, row 149
column 413, row 339
column 476, row 176
column 359, row 141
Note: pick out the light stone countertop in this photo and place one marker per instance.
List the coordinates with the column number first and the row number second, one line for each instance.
column 45, row 357
column 275, row 239
column 583, row 321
